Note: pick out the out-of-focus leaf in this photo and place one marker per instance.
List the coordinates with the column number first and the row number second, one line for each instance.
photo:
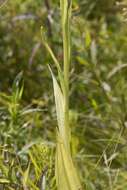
column 87, row 39
column 4, row 181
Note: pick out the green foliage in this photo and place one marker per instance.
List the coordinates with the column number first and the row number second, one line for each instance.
column 18, row 171
column 98, row 87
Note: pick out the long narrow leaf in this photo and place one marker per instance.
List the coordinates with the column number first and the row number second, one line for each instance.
column 59, row 101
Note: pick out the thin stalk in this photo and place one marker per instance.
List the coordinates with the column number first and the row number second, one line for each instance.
column 66, row 14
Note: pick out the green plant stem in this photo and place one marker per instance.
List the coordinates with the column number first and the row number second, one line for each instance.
column 66, row 6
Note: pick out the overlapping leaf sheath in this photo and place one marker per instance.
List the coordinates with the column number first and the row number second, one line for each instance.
column 66, row 174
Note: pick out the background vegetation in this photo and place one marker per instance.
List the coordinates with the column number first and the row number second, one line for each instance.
column 98, row 80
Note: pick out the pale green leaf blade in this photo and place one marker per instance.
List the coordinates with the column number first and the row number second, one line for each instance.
column 59, row 102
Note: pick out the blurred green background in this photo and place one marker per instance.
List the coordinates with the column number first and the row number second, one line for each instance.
column 98, row 91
